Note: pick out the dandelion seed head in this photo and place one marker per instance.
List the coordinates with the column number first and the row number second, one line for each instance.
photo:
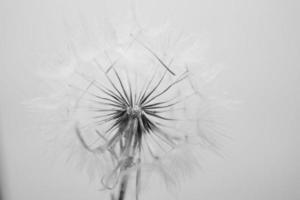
column 134, row 103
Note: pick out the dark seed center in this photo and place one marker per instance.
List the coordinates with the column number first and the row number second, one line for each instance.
column 134, row 111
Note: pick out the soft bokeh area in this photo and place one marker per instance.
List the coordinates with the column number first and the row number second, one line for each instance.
column 257, row 45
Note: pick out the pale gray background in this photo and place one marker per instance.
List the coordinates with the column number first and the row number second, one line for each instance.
column 256, row 40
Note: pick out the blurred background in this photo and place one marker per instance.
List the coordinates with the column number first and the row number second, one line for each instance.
column 257, row 42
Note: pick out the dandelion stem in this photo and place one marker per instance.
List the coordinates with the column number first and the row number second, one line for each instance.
column 123, row 187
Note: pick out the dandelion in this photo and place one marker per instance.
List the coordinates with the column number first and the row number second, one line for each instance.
column 134, row 105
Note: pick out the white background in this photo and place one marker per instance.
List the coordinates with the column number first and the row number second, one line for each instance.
column 256, row 40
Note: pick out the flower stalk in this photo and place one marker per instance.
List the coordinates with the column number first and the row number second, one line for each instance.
column 123, row 187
